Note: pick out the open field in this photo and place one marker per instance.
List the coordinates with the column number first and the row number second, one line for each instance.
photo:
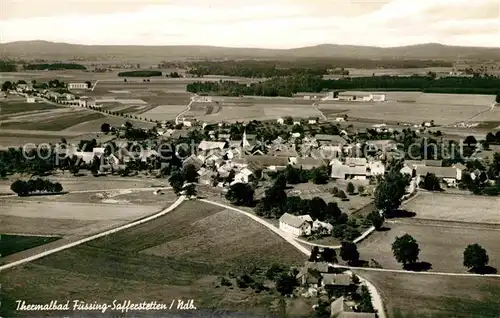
column 416, row 107
column 54, row 124
column 419, row 296
column 95, row 124
column 85, row 183
column 177, row 256
column 455, row 207
column 441, row 244
column 16, row 243
column 164, row 112
column 9, row 108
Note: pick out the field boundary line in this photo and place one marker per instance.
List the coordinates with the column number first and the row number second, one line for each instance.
column 376, row 298
column 95, row 236
column 372, row 269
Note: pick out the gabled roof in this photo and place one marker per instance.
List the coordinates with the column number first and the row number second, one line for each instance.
column 321, row 267
column 433, row 163
column 336, row 279
column 210, row 145
column 350, row 161
column 460, row 166
column 331, row 139
column 440, row 172
column 292, row 220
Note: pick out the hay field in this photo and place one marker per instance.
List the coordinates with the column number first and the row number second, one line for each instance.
column 456, row 207
column 15, row 107
column 441, row 244
column 205, row 242
column 164, row 112
column 414, row 296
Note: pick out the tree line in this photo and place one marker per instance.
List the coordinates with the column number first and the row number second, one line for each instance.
column 289, row 85
column 53, row 66
column 139, row 74
column 7, row 66
column 39, row 185
column 271, row 68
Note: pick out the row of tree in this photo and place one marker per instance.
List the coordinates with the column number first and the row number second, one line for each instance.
column 7, row 66
column 287, row 86
column 143, row 73
column 39, row 185
column 53, row 66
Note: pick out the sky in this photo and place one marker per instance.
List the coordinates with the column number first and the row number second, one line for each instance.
column 253, row 23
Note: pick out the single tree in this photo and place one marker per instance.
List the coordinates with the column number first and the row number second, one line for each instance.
column 191, row 173
column 342, row 195
column 497, row 98
column 286, row 283
column 58, row 187
column 430, row 182
column 361, row 190
column 350, row 188
column 391, row 189
column 475, row 257
column 190, row 190
column 376, row 219
column 470, row 141
column 349, row 252
column 105, row 127
column 329, row 255
column 176, row 180
column 314, row 254
column 405, row 249
column 240, row 194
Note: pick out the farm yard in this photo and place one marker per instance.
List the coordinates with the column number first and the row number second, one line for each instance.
column 409, row 295
column 455, row 207
column 160, row 260
column 441, row 244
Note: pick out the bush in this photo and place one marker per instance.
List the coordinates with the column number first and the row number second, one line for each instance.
column 350, row 188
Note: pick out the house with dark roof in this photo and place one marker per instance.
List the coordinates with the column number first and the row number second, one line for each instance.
column 296, row 225
column 330, row 139
column 309, row 163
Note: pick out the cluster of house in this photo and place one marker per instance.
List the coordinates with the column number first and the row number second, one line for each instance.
column 318, row 277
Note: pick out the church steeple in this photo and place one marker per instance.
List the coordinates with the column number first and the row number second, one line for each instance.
column 245, row 140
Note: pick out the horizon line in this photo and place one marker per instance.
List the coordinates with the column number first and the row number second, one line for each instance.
column 254, row 47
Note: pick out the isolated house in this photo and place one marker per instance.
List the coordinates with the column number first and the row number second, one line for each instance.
column 296, row 225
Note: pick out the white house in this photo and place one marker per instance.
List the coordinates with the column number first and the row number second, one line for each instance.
column 378, row 97
column 30, row 100
column 297, row 122
column 86, row 102
column 243, row 176
column 312, row 121
column 318, row 225
column 296, row 225
column 460, row 169
column 340, row 119
column 203, row 99
column 377, row 168
column 211, row 145
column 78, row 86
column 448, row 175
column 280, row 121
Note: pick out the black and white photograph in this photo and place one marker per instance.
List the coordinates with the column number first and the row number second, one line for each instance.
column 250, row 158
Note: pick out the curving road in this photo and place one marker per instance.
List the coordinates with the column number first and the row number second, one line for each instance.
column 376, row 298
column 188, row 108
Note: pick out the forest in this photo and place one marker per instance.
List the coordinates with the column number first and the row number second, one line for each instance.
column 272, row 68
column 53, row 66
column 139, row 74
column 287, row 86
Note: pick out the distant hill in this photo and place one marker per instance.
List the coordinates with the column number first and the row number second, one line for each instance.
column 64, row 51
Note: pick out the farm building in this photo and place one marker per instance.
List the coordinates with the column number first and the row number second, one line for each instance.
column 354, row 168
column 322, row 225
column 86, row 102
column 78, row 85
column 312, row 120
column 355, row 96
column 30, row 100
column 243, row 176
column 330, row 139
column 211, row 145
column 202, row 99
column 447, row 175
column 280, row 121
column 296, row 225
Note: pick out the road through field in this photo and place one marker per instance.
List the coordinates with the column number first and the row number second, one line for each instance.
column 188, row 108
column 376, row 298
